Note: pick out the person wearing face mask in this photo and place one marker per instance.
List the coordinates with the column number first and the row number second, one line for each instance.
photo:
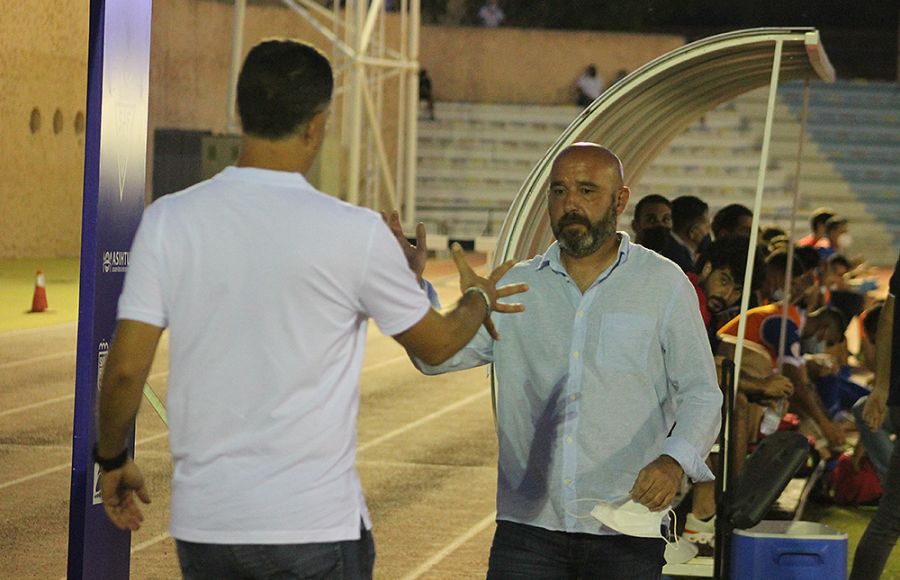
column 652, row 211
column 691, row 229
column 606, row 389
column 837, row 238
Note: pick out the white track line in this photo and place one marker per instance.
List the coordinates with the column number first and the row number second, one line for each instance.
column 433, row 561
column 36, row 405
column 418, row 422
column 68, row 465
column 151, row 542
column 27, row 361
column 36, row 329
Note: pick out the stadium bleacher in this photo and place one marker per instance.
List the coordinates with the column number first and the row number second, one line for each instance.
column 474, row 157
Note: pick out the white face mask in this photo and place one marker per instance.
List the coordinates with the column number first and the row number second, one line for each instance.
column 844, row 241
column 631, row 518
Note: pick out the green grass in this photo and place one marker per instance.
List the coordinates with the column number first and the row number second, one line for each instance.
column 17, row 290
column 852, row 521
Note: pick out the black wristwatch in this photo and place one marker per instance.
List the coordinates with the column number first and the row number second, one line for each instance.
column 112, row 463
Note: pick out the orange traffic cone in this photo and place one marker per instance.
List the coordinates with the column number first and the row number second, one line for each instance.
column 39, row 302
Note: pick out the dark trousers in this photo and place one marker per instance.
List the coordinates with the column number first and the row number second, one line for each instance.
column 881, row 534
column 349, row 560
column 520, row 551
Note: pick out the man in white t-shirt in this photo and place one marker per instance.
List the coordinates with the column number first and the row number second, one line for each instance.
column 266, row 286
column 588, row 86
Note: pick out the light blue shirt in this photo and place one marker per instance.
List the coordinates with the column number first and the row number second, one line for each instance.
column 590, row 385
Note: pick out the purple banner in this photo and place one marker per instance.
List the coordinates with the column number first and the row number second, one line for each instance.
column 114, row 175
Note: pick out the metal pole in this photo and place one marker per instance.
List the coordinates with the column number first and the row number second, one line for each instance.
column 754, row 231
column 358, row 78
column 400, row 178
column 782, row 333
column 237, row 49
column 409, row 208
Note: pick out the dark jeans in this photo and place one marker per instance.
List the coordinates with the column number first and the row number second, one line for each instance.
column 349, row 560
column 881, row 534
column 521, row 552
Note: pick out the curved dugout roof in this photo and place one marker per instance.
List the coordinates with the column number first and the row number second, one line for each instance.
column 638, row 116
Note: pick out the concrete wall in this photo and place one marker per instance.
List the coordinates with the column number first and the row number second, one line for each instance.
column 510, row 65
column 43, row 60
column 43, row 64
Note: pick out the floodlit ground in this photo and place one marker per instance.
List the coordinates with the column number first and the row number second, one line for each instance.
column 427, row 449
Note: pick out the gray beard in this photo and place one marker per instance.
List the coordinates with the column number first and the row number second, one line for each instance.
column 579, row 244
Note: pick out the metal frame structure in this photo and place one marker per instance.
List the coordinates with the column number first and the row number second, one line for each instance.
column 367, row 56
column 638, row 117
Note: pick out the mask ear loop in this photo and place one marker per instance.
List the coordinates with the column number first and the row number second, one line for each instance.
column 673, row 529
column 579, row 517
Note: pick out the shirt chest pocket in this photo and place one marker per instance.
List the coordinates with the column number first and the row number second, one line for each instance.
column 625, row 341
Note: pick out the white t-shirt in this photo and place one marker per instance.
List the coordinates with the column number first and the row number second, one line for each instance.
column 591, row 86
column 266, row 286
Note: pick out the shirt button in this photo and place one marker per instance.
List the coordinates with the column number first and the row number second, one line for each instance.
column 575, row 354
column 568, row 482
column 569, row 439
column 581, row 314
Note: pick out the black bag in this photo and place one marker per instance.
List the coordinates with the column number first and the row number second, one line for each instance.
column 765, row 474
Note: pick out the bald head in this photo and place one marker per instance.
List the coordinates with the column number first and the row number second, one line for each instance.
column 596, row 156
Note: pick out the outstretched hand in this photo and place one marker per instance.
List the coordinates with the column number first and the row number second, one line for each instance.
column 416, row 255
column 468, row 278
column 118, row 489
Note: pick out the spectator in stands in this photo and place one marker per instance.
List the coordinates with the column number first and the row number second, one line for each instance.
column 606, row 390
column 817, row 225
column 837, row 268
column 732, row 220
column 490, row 15
column 720, row 277
column 690, row 228
column 588, row 86
column 883, row 530
column 650, row 212
column 425, row 92
column 837, row 237
column 771, row 238
column 720, row 281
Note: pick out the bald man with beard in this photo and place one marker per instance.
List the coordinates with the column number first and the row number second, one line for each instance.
column 609, row 355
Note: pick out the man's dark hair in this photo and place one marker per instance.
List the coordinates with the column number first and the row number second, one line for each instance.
column 770, row 232
column 647, row 200
column 727, row 218
column 834, row 222
column 731, row 253
column 839, row 260
column 819, row 217
column 779, row 258
column 808, row 255
column 687, row 211
column 282, row 85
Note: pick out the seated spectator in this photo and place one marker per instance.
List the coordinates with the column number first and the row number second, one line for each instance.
column 763, row 327
column 425, row 92
column 690, row 228
column 836, row 239
column 720, row 278
column 491, row 15
column 732, row 220
column 771, row 233
column 817, row 225
column 588, row 86
column 651, row 211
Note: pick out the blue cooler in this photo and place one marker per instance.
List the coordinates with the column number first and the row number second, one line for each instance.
column 774, row 550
